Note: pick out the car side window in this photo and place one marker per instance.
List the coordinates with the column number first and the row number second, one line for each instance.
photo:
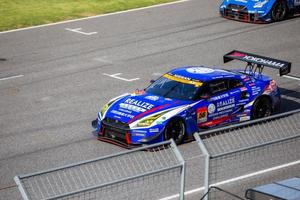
column 234, row 83
column 218, row 86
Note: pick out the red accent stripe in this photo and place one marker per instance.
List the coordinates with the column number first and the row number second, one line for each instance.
column 147, row 112
column 215, row 121
column 127, row 137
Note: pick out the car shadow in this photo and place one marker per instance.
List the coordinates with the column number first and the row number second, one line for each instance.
column 290, row 100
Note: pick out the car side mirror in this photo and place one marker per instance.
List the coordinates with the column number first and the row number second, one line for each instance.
column 152, row 81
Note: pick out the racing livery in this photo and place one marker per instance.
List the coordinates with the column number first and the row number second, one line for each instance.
column 259, row 11
column 190, row 99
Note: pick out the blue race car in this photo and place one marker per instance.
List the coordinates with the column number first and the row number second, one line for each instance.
column 259, row 11
column 190, row 99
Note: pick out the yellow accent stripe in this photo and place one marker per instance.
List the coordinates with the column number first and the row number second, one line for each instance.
column 182, row 80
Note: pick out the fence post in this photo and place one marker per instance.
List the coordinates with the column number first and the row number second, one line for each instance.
column 20, row 187
column 182, row 172
column 206, row 164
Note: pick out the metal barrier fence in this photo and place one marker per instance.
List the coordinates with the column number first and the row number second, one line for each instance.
column 150, row 172
column 242, row 156
column 223, row 194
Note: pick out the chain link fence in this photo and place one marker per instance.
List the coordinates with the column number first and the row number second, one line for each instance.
column 150, row 172
column 242, row 156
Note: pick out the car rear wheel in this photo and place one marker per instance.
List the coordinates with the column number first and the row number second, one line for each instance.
column 175, row 129
column 261, row 108
column 279, row 10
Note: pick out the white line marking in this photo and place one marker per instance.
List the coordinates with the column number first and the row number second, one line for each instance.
column 103, row 60
column 292, row 77
column 11, row 77
column 234, row 179
column 96, row 16
column 157, row 74
column 120, row 78
column 78, row 30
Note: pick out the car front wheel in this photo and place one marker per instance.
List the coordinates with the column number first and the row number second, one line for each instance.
column 279, row 10
column 175, row 129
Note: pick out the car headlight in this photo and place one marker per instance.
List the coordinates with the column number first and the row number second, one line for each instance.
column 260, row 4
column 104, row 109
column 149, row 120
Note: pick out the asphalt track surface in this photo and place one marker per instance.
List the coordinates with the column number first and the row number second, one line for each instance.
column 53, row 82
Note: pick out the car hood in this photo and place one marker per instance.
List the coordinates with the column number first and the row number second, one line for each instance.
column 251, row 5
column 136, row 106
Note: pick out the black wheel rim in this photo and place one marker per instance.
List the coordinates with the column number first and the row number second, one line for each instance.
column 175, row 130
column 278, row 11
column 263, row 109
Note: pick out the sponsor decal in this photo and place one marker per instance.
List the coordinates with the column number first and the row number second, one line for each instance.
column 220, row 97
column 264, row 61
column 226, row 108
column 234, row 92
column 140, row 131
column 131, row 107
column 139, row 103
column 243, row 1
column 183, row 79
column 211, row 108
column 255, row 90
column 124, row 110
column 221, row 113
column 153, row 130
column 199, row 70
column 226, row 104
column 202, row 115
column 259, row 60
column 244, row 118
column 121, row 114
column 243, row 100
column 246, row 79
column 243, row 89
column 153, row 98
column 138, row 134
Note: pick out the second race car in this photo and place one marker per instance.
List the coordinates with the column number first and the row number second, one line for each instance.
column 190, row 99
column 259, row 11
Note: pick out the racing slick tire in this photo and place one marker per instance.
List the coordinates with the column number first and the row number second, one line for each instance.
column 175, row 129
column 261, row 108
column 279, row 10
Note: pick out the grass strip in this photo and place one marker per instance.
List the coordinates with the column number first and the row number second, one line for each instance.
column 24, row 13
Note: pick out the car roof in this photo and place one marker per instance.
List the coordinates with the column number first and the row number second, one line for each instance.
column 203, row 74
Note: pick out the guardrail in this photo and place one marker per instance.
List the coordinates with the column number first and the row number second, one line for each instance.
column 240, row 156
column 133, row 174
column 233, row 159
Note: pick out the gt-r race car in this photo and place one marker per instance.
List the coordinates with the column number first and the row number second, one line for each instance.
column 259, row 11
column 190, row 99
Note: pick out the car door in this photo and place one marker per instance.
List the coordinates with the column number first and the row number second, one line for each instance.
column 240, row 92
column 222, row 102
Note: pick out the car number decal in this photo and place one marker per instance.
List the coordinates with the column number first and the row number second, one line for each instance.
column 202, row 115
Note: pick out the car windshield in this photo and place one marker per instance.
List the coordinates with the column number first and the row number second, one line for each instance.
column 173, row 89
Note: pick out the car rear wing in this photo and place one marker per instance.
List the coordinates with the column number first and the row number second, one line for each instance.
column 256, row 63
